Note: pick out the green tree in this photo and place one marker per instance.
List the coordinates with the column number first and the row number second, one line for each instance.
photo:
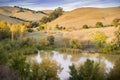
column 36, row 73
column 99, row 38
column 114, row 46
column 56, row 13
column 75, row 43
column 73, row 73
column 57, row 26
column 85, row 26
column 116, row 22
column 90, row 71
column 4, row 34
column 19, row 64
column 99, row 24
column 115, row 72
column 46, row 70
column 43, row 42
column 117, row 37
column 51, row 39
column 44, row 20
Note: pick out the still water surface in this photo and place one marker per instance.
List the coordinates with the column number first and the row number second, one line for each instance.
column 66, row 60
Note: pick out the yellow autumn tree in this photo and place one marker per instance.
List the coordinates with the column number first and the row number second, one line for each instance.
column 4, row 25
column 12, row 30
column 22, row 30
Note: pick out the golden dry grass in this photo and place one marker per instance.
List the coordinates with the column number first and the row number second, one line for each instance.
column 47, row 11
column 26, row 15
column 89, row 16
column 8, row 19
column 87, row 34
column 84, row 35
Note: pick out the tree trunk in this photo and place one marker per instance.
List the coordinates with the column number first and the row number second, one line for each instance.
column 12, row 36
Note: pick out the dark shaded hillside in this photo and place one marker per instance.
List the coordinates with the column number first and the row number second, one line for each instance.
column 22, row 13
column 9, row 19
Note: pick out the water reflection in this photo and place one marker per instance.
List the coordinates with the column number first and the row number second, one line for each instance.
column 38, row 58
column 65, row 60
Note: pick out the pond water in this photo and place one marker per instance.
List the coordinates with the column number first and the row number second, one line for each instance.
column 65, row 60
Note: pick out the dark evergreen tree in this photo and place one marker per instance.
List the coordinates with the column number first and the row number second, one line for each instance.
column 90, row 71
column 115, row 72
column 73, row 73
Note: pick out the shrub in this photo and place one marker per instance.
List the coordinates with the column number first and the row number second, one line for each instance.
column 75, row 43
column 85, row 26
column 99, row 24
column 107, row 48
column 4, row 34
column 116, row 22
column 43, row 42
column 44, row 20
column 46, row 70
column 40, row 28
column 99, row 38
column 51, row 39
column 30, row 30
column 57, row 26
column 55, row 14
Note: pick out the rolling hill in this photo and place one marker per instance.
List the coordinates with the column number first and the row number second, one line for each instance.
column 47, row 11
column 9, row 19
column 89, row 16
column 22, row 13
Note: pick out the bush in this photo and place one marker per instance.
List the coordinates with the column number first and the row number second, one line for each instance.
column 30, row 30
column 40, row 28
column 99, row 24
column 46, row 70
column 106, row 49
column 75, row 43
column 44, row 20
column 55, row 14
column 4, row 34
column 43, row 42
column 116, row 22
column 99, row 38
column 51, row 39
column 85, row 26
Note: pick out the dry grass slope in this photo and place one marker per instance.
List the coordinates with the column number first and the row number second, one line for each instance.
column 26, row 15
column 8, row 19
column 47, row 11
column 89, row 16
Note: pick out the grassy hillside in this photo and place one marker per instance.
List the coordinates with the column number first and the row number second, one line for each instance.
column 83, row 34
column 89, row 16
column 47, row 11
column 21, row 13
column 9, row 19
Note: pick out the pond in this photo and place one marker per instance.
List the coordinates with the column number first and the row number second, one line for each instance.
column 65, row 60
